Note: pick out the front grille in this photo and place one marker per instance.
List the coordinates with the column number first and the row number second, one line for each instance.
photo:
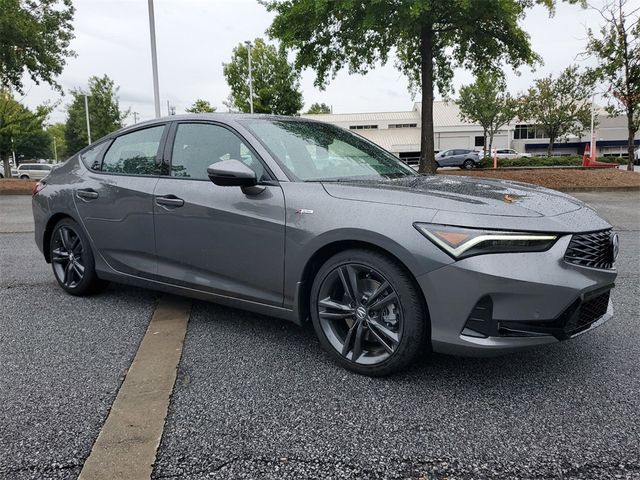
column 593, row 250
column 590, row 311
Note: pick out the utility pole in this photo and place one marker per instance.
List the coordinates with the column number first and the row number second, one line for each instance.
column 86, row 111
column 154, row 59
column 170, row 109
column 250, row 76
column 592, row 147
column 55, row 149
column 135, row 117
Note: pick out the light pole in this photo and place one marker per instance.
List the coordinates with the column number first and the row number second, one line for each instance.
column 154, row 59
column 55, row 149
column 592, row 146
column 250, row 76
column 86, row 112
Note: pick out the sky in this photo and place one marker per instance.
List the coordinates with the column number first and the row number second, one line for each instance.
column 194, row 38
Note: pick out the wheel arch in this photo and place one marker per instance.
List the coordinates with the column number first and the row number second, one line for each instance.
column 48, row 232
column 322, row 254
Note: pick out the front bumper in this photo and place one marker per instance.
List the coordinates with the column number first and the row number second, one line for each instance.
column 493, row 304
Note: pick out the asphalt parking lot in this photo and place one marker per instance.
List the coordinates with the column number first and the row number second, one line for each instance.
column 256, row 397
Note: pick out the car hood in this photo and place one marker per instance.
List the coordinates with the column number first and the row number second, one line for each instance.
column 468, row 195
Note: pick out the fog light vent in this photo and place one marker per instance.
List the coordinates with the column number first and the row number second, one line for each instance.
column 480, row 322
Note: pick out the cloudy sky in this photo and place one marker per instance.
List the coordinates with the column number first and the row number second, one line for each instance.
column 194, row 38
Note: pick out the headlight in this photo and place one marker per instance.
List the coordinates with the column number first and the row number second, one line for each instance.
column 466, row 242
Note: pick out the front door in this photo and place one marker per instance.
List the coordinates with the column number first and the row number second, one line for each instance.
column 115, row 199
column 214, row 238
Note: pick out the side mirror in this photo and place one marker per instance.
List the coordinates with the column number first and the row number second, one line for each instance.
column 234, row 173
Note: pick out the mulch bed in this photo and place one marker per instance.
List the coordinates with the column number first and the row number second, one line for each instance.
column 15, row 186
column 559, row 179
column 563, row 179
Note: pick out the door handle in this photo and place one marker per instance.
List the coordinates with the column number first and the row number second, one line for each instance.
column 169, row 201
column 87, row 194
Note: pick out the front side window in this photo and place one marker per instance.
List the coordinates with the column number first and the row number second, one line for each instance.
column 134, row 153
column 198, row 145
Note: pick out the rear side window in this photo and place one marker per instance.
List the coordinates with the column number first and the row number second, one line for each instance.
column 134, row 153
column 92, row 157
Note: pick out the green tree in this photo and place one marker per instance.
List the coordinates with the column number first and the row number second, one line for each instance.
column 201, row 106
column 20, row 129
column 561, row 106
column 486, row 103
column 57, row 143
column 276, row 84
column 317, row 108
column 105, row 115
column 34, row 38
column 617, row 49
column 430, row 39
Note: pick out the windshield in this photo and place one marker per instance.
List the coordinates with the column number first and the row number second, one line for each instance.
column 320, row 152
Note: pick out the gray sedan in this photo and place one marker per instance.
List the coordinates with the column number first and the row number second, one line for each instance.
column 458, row 157
column 308, row 222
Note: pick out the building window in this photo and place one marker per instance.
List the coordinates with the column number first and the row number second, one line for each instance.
column 403, row 125
column 362, row 127
column 479, row 141
column 523, row 132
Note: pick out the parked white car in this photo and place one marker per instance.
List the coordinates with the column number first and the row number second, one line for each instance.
column 35, row 171
column 510, row 153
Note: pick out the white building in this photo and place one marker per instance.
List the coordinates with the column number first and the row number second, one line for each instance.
column 399, row 132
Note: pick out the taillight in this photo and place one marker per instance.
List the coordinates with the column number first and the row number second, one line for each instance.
column 38, row 187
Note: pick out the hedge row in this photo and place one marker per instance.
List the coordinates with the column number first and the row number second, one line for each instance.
column 572, row 161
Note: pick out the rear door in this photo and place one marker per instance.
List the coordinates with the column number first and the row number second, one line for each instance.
column 447, row 159
column 115, row 199
column 214, row 238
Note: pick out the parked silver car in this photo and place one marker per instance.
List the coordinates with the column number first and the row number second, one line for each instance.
column 458, row 157
column 34, row 171
column 306, row 221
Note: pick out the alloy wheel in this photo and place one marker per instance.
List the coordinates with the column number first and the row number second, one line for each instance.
column 67, row 257
column 360, row 314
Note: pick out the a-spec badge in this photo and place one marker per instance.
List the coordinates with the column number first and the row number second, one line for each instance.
column 303, row 211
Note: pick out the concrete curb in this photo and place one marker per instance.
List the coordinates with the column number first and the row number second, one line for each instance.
column 14, row 192
column 599, row 189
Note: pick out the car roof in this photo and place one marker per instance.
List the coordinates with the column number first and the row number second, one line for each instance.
column 229, row 118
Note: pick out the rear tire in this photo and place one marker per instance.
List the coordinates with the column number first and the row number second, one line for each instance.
column 468, row 164
column 367, row 313
column 72, row 259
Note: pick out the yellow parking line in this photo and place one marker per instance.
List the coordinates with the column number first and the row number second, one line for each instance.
column 126, row 446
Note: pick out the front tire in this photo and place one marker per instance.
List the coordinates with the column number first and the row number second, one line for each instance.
column 367, row 312
column 72, row 259
column 24, row 177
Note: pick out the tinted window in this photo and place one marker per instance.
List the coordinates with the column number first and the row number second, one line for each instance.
column 134, row 153
column 92, row 157
column 198, row 145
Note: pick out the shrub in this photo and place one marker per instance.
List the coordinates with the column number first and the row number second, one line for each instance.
column 568, row 161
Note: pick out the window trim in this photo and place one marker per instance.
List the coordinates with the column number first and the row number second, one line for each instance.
column 167, row 154
column 157, row 160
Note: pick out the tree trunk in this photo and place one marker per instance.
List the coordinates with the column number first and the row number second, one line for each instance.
column 6, row 166
column 484, row 145
column 550, row 147
column 427, row 154
column 632, row 134
column 491, row 144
